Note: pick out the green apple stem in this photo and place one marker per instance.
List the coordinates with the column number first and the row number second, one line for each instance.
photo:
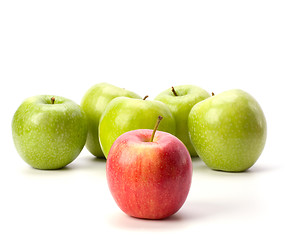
column 144, row 98
column 174, row 91
column 52, row 100
column 155, row 127
column 212, row 94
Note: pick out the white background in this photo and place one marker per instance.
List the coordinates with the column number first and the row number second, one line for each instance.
column 64, row 47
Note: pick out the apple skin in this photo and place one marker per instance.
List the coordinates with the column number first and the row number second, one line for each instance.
column 180, row 106
column 94, row 103
column 228, row 130
column 46, row 135
column 149, row 180
column 124, row 114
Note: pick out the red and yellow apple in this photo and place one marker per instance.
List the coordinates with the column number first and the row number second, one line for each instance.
column 149, row 175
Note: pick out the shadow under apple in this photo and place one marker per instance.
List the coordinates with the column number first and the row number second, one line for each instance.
column 191, row 213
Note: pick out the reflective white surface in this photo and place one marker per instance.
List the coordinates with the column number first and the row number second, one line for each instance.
column 65, row 47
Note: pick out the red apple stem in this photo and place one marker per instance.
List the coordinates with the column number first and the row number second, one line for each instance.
column 155, row 127
column 52, row 100
column 144, row 98
column 174, row 91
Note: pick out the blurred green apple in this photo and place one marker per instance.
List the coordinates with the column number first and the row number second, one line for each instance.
column 49, row 132
column 124, row 114
column 228, row 130
column 94, row 103
column 180, row 100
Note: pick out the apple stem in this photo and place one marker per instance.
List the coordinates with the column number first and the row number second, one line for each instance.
column 52, row 100
column 174, row 91
column 144, row 98
column 155, row 127
column 212, row 94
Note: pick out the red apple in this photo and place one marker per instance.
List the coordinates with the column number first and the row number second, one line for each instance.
column 149, row 174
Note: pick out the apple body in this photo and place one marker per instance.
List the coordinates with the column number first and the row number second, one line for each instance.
column 149, row 180
column 46, row 135
column 228, row 130
column 124, row 114
column 180, row 106
column 94, row 103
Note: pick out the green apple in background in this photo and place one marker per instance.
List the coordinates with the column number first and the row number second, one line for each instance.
column 228, row 130
column 49, row 132
column 180, row 100
column 94, row 103
column 124, row 114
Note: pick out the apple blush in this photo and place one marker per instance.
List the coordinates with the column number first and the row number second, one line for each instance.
column 149, row 173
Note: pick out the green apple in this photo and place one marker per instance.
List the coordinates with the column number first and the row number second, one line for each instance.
column 180, row 100
column 94, row 103
column 124, row 114
column 49, row 132
column 228, row 130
